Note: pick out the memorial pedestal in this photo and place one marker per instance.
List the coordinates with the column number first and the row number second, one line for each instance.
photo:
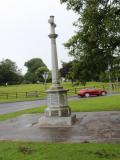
column 58, row 112
column 57, row 103
column 56, row 121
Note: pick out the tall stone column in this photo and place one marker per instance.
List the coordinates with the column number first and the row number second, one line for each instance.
column 58, row 112
column 53, row 36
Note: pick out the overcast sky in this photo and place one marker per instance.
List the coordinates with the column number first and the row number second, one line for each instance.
column 24, row 30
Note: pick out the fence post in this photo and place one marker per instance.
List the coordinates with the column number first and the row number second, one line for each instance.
column 36, row 94
column 16, row 95
column 75, row 90
column 112, row 86
column 103, row 87
column 7, row 95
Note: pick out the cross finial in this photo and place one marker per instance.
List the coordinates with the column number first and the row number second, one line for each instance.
column 51, row 21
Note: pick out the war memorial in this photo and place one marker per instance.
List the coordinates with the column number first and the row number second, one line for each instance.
column 58, row 112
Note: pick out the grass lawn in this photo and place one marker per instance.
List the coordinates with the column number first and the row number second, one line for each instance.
column 8, row 94
column 47, row 151
column 29, row 87
column 13, row 93
column 108, row 103
column 18, row 113
column 41, row 87
column 22, row 88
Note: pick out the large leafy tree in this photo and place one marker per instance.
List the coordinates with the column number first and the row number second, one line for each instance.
column 97, row 39
column 75, row 71
column 67, row 72
column 9, row 72
column 40, row 74
column 36, row 68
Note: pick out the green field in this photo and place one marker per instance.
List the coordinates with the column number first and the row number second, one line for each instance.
column 21, row 92
column 106, row 103
column 41, row 87
column 47, row 151
column 22, row 88
column 25, row 92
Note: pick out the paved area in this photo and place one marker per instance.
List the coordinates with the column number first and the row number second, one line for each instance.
column 89, row 127
column 17, row 106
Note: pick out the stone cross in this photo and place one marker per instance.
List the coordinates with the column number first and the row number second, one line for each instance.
column 53, row 36
column 58, row 113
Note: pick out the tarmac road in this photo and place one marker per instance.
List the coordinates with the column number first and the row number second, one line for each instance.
column 17, row 106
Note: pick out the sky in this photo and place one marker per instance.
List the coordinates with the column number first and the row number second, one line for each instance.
column 24, row 30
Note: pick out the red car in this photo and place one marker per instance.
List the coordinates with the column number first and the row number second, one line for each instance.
column 91, row 92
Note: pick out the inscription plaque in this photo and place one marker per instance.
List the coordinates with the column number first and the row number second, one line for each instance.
column 53, row 99
column 63, row 100
column 65, row 112
column 54, row 113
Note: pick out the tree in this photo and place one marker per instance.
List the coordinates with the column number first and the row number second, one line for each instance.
column 97, row 39
column 75, row 71
column 67, row 71
column 40, row 72
column 66, row 67
column 116, row 69
column 34, row 63
column 9, row 72
column 35, row 67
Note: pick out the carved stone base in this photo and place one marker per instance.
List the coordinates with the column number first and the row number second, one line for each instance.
column 57, row 103
column 58, row 112
column 56, row 121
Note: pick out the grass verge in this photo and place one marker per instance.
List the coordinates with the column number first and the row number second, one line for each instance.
column 47, row 151
column 18, row 113
column 108, row 103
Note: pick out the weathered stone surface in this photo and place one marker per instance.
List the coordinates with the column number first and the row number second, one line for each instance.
column 58, row 112
column 53, row 36
column 90, row 127
column 56, row 121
